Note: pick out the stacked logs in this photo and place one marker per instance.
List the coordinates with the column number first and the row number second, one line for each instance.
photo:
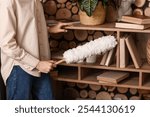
column 142, row 7
column 73, row 38
column 79, row 91
column 64, row 9
column 61, row 9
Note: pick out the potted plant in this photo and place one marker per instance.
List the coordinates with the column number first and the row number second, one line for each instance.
column 92, row 12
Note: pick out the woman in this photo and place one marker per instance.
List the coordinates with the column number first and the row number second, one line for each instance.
column 25, row 54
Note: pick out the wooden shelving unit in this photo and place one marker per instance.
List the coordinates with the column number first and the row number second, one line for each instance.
column 86, row 73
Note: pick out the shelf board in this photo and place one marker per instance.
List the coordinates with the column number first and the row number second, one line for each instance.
column 104, row 27
column 67, row 77
column 129, row 82
column 132, row 82
column 145, row 67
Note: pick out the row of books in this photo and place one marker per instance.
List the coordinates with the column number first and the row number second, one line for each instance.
column 134, row 22
column 128, row 50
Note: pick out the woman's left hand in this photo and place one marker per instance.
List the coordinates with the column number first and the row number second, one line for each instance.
column 58, row 28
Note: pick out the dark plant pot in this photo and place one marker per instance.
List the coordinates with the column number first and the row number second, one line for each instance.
column 98, row 16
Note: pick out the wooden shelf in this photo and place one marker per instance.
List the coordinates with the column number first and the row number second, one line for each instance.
column 104, row 27
column 145, row 67
column 79, row 75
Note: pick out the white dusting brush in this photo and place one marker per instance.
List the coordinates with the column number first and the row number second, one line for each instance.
column 96, row 47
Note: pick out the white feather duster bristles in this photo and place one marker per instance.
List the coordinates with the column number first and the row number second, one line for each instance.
column 96, row 47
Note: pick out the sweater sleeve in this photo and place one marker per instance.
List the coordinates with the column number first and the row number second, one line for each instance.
column 8, row 42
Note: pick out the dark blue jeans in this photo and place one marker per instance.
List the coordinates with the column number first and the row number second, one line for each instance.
column 22, row 86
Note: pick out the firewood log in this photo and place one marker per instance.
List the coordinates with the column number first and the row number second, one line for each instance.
column 92, row 94
column 69, row 35
column 133, row 91
column 135, row 98
column 82, row 85
column 90, row 38
column 120, row 97
column 140, row 3
column 94, row 87
column 63, row 5
column 111, row 88
column 63, row 13
column 68, row 5
column 72, row 44
column 103, row 96
column 75, row 17
column 91, row 32
column 50, row 7
column 97, row 34
column 81, row 35
column 64, row 45
column 83, row 94
column 122, row 90
column 58, row 6
column 71, row 93
column 138, row 11
column 56, row 35
column 147, row 11
column 74, row 9
column 53, row 43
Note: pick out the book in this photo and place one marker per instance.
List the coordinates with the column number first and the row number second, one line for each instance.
column 112, row 76
column 133, row 51
column 124, row 53
column 138, row 19
column 104, row 82
column 110, row 57
column 131, row 26
column 103, row 60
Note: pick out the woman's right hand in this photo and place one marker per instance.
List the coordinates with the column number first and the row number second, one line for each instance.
column 45, row 66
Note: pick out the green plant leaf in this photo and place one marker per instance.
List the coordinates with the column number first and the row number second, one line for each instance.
column 80, row 4
column 88, row 6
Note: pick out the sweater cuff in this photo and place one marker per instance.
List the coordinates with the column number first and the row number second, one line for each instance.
column 31, row 61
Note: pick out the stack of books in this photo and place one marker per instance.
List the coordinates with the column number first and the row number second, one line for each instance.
column 112, row 77
column 134, row 22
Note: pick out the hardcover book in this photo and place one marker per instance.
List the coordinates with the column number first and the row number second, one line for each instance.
column 139, row 19
column 112, row 76
column 131, row 26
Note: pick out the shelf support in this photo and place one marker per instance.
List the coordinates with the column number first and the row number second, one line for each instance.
column 140, row 79
column 118, row 50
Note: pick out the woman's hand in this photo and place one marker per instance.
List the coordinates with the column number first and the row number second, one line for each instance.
column 45, row 66
column 58, row 28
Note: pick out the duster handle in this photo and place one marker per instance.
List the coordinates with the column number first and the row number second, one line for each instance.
column 60, row 61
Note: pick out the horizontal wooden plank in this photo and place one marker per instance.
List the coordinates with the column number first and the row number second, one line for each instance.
column 104, row 27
